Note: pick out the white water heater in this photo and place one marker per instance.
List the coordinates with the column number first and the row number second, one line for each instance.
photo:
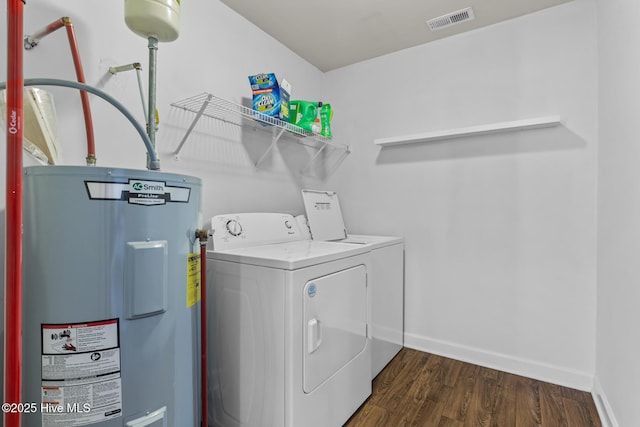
column 111, row 291
column 153, row 18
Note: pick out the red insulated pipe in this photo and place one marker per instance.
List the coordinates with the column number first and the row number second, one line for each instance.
column 84, row 96
column 55, row 25
column 13, row 226
column 203, row 328
column 33, row 41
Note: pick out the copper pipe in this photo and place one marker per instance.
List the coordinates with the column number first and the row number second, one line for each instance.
column 202, row 235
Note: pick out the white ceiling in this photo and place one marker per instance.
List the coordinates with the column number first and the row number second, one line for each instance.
column 334, row 33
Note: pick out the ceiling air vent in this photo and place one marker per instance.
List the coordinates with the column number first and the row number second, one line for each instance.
column 450, row 19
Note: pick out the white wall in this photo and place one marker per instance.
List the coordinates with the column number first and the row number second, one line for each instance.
column 215, row 52
column 500, row 230
column 618, row 369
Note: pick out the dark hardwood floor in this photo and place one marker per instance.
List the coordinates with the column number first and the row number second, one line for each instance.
column 421, row 389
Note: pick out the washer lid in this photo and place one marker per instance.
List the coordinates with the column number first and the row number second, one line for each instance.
column 324, row 215
column 374, row 242
column 289, row 256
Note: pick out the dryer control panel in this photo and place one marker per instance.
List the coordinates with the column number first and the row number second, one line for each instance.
column 231, row 231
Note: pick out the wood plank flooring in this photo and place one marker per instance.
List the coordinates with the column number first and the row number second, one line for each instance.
column 421, row 389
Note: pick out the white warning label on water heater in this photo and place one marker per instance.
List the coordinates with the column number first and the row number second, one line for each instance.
column 81, row 382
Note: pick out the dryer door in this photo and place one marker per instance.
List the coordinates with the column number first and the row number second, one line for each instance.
column 335, row 323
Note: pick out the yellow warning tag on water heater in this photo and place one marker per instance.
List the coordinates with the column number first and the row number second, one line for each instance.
column 193, row 279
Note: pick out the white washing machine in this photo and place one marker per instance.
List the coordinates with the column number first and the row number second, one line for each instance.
column 325, row 223
column 289, row 330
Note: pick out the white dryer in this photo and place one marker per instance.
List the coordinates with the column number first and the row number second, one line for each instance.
column 289, row 318
column 325, row 223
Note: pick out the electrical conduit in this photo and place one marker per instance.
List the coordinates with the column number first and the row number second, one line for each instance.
column 154, row 162
column 13, row 226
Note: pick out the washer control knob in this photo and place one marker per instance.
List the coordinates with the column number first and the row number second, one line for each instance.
column 234, row 228
column 287, row 224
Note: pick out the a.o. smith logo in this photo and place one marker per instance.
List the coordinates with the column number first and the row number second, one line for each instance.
column 148, row 193
column 147, row 187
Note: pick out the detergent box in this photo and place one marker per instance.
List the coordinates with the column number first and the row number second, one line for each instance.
column 285, row 92
column 269, row 98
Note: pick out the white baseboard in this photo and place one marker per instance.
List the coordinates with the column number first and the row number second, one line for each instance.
column 515, row 365
column 602, row 405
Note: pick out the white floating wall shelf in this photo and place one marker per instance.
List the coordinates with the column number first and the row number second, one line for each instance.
column 540, row 122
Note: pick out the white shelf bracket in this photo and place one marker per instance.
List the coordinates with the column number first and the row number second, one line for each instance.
column 277, row 133
column 193, row 124
column 313, row 160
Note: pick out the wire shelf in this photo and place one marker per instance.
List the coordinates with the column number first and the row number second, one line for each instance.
column 208, row 105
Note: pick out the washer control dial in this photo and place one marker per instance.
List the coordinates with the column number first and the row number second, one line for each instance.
column 234, row 228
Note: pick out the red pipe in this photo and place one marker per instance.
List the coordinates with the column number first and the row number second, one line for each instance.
column 84, row 96
column 203, row 326
column 13, row 226
column 35, row 38
column 33, row 41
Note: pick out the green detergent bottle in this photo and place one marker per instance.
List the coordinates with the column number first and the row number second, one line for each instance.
column 305, row 114
column 326, row 114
